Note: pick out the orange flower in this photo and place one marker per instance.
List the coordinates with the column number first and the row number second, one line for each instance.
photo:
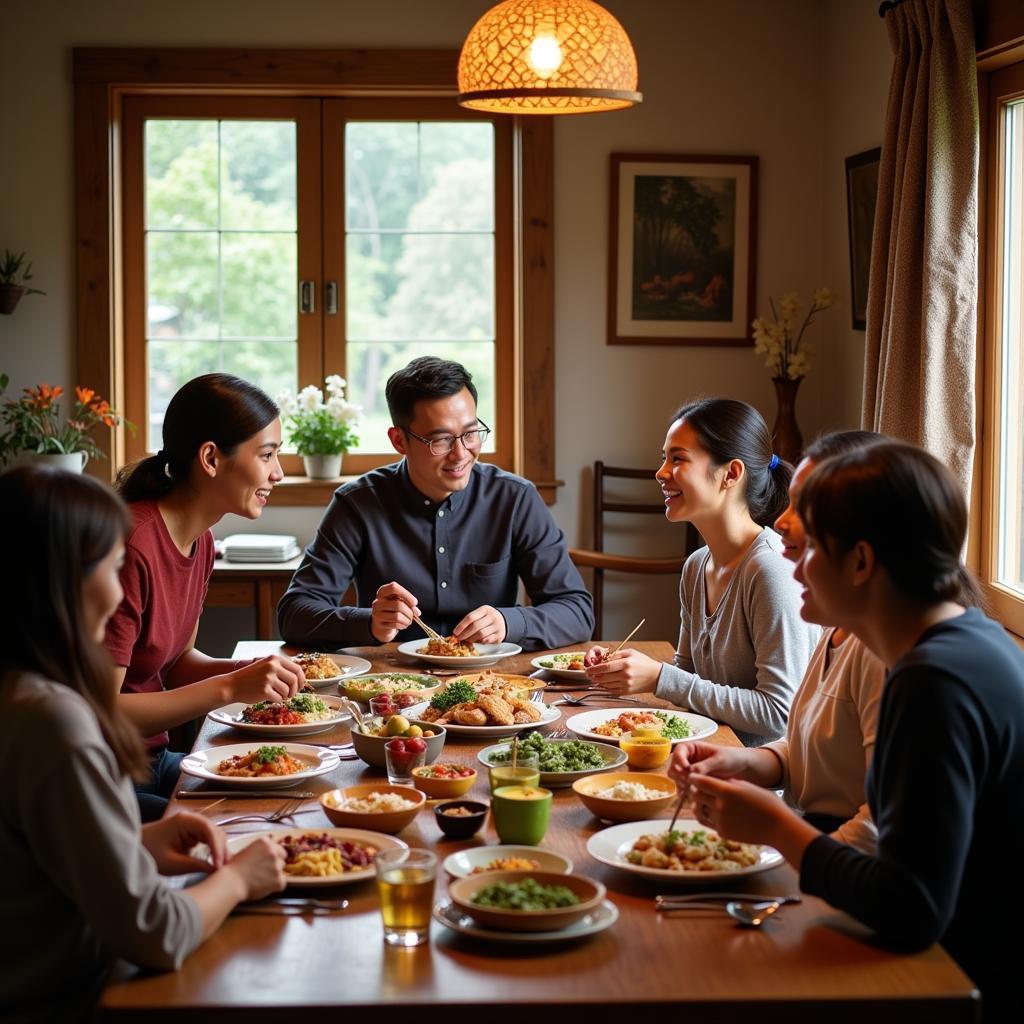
column 44, row 396
column 84, row 395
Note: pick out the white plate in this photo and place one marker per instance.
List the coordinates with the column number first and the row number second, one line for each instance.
column 613, row 756
column 353, row 835
column 461, row 863
column 548, row 716
column 611, row 845
column 571, row 674
column 490, row 654
column 230, row 715
column 201, row 764
column 584, row 723
column 348, row 666
column 603, row 916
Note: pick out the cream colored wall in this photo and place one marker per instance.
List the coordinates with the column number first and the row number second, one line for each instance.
column 800, row 83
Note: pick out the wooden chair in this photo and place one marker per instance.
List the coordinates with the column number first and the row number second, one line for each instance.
column 601, row 561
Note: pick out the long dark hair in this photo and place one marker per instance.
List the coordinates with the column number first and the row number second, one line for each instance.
column 907, row 506
column 727, row 430
column 839, row 442
column 214, row 407
column 65, row 524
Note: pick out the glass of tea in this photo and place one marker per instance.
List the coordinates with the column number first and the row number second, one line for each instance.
column 405, row 881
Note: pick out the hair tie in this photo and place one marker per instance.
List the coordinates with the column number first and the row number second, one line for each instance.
column 773, row 462
column 162, row 456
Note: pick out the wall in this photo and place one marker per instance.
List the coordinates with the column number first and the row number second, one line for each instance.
column 800, row 83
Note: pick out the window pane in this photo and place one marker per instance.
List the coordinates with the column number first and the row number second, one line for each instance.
column 259, row 285
column 258, row 175
column 181, row 174
column 182, row 280
column 171, row 364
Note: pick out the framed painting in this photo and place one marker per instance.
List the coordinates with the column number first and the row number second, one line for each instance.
column 861, row 193
column 682, row 249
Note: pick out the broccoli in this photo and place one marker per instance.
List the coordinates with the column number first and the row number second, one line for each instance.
column 454, row 693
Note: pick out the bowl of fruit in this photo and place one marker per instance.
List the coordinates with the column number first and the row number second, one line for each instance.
column 444, row 780
column 369, row 739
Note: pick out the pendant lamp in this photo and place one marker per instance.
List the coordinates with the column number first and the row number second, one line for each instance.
column 547, row 57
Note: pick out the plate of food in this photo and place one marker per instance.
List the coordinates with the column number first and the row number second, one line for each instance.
column 301, row 715
column 324, row 670
column 270, row 766
column 603, row 916
column 562, row 666
column 478, row 859
column 498, row 709
column 394, row 683
column 562, row 762
column 689, row 853
column 449, row 653
column 326, row 856
column 608, row 725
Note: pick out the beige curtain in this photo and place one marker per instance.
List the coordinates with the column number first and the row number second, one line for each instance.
column 922, row 297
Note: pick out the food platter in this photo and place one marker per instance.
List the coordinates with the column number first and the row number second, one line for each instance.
column 359, row 689
column 348, row 665
column 610, row 846
column 230, row 715
column 482, row 733
column 585, row 722
column 462, row 863
column 613, row 756
column 201, row 765
column 602, row 917
column 488, row 654
column 352, row 835
column 549, row 663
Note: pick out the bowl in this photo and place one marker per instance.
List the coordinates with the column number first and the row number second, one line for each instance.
column 382, row 821
column 371, row 748
column 591, row 894
column 523, row 686
column 624, row 810
column 365, row 687
column 462, row 826
column 476, row 860
column 443, row 789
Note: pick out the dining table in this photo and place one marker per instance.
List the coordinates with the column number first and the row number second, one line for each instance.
column 809, row 962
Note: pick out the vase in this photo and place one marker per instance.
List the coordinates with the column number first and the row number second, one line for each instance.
column 10, row 294
column 73, row 462
column 787, row 441
column 322, row 467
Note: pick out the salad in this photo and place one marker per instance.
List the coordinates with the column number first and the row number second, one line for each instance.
column 556, row 755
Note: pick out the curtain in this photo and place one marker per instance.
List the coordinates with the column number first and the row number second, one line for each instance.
column 922, row 297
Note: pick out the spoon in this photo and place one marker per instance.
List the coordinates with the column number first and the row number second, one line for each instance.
column 751, row 915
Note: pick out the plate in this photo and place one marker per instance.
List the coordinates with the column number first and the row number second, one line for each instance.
column 489, row 654
column 230, row 715
column 348, row 666
column 513, row 679
column 461, row 863
column 428, row 684
column 584, row 723
column 548, row 716
column 614, row 758
column 572, row 674
column 603, row 917
column 200, row 763
column 354, row 835
column 611, row 845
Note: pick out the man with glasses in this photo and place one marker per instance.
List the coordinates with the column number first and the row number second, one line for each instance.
column 437, row 535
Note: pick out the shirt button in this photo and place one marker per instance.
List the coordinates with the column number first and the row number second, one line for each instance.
column 440, row 514
column 444, row 586
column 440, row 550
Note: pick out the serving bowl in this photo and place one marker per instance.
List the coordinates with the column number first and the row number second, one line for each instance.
column 380, row 821
column 624, row 810
column 590, row 893
column 464, row 825
column 443, row 789
column 371, row 748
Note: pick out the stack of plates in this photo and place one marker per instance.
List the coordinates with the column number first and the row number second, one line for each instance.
column 260, row 547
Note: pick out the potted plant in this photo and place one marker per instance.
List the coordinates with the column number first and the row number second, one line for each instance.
column 14, row 272
column 321, row 431
column 35, row 430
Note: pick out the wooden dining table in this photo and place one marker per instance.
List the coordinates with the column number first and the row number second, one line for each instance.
column 809, row 962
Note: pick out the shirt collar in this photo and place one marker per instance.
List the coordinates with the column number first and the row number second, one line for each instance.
column 418, row 500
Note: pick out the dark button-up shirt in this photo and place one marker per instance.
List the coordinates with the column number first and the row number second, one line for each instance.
column 469, row 550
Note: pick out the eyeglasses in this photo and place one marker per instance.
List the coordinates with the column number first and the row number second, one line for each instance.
column 472, row 440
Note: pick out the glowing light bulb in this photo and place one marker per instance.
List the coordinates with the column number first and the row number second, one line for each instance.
column 544, row 56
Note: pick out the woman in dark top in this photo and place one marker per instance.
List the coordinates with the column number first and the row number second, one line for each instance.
column 946, row 786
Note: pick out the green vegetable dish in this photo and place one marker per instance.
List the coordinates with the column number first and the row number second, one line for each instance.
column 528, row 894
column 676, row 728
column 555, row 755
column 267, row 755
column 454, row 693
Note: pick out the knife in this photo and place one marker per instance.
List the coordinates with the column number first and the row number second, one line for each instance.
column 244, row 794
column 673, row 900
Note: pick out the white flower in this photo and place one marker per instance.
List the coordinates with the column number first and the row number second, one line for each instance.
column 823, row 298
column 335, row 385
column 286, row 402
column 310, row 398
column 789, row 306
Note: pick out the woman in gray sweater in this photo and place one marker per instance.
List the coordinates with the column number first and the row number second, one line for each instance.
column 743, row 646
column 82, row 881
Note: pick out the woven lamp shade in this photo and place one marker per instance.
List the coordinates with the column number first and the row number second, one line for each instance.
column 547, row 57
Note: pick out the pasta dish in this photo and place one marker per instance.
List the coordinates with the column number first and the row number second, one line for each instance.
column 448, row 648
column 320, row 855
column 316, row 665
column 260, row 762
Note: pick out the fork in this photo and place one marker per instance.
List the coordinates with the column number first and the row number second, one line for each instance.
column 600, row 694
column 286, row 810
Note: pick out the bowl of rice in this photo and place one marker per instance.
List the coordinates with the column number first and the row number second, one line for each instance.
column 625, row 796
column 376, row 806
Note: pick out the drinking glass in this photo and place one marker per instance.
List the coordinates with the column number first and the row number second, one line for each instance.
column 400, row 761
column 405, row 881
column 525, row 773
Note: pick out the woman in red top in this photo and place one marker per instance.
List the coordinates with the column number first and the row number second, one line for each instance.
column 221, row 437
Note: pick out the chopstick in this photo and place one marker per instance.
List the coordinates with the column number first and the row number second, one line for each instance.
column 242, row 794
column 426, row 629
column 628, row 638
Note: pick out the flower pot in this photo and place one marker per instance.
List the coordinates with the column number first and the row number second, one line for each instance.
column 787, row 440
column 74, row 462
column 322, row 467
column 10, row 296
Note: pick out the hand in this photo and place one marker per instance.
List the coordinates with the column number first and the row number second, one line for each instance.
column 260, row 868
column 627, row 671
column 595, row 655
column 738, row 810
column 483, row 625
column 393, row 609
column 170, row 839
column 706, row 759
column 274, row 677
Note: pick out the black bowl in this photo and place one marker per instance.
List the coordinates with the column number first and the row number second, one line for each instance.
column 461, row 826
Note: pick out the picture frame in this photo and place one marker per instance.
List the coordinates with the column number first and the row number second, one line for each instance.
column 682, row 255
column 861, row 196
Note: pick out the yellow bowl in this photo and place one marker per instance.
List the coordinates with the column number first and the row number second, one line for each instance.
column 381, row 821
column 645, row 748
column 591, row 893
column 442, row 788
column 624, row 810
